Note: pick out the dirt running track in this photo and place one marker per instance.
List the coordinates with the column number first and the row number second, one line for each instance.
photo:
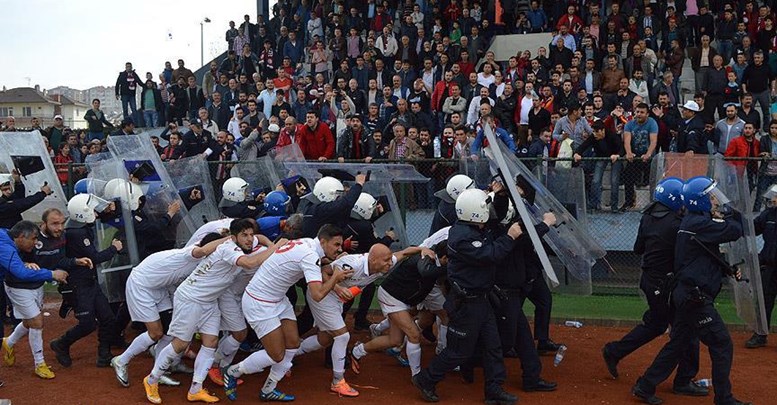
column 582, row 377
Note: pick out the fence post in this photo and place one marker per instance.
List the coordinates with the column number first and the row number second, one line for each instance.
column 69, row 191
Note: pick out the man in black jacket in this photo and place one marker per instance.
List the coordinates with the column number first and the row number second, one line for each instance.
column 197, row 140
column 126, row 85
column 13, row 201
column 691, row 137
column 766, row 225
column 219, row 112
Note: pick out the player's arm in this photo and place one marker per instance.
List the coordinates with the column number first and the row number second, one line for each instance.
column 320, row 288
column 412, row 251
column 255, row 260
column 201, row 251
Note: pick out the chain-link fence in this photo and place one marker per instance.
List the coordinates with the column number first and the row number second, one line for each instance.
column 609, row 205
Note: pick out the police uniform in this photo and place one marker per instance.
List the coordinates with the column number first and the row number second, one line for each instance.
column 699, row 278
column 766, row 225
column 91, row 303
column 245, row 209
column 445, row 214
column 656, row 243
column 473, row 255
column 151, row 232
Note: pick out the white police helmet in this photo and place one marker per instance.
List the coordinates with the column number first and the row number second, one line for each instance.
column 328, row 189
column 80, row 209
column 472, row 206
column 365, row 206
column 234, row 189
column 457, row 184
column 128, row 193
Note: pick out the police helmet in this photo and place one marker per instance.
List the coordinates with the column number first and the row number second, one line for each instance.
column 128, row 193
column 668, row 192
column 234, row 189
column 276, row 203
column 457, row 184
column 365, row 206
column 328, row 189
column 472, row 206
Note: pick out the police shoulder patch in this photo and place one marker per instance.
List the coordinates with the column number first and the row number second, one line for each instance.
column 138, row 218
column 250, row 207
column 477, row 243
column 87, row 242
column 718, row 220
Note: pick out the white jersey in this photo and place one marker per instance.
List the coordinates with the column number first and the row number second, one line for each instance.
column 361, row 273
column 241, row 281
column 211, row 227
column 165, row 269
column 290, row 262
column 436, row 238
column 213, row 275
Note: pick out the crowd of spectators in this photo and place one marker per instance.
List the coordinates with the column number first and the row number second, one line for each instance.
column 413, row 79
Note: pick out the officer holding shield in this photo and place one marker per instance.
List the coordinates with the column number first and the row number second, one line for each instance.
column 766, row 225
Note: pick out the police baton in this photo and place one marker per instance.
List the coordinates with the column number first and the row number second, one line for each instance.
column 731, row 269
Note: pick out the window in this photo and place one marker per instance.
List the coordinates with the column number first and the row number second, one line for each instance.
column 26, row 111
column 6, row 111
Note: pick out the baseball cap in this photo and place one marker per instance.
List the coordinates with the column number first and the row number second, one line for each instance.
column 274, row 128
column 691, row 105
column 58, row 117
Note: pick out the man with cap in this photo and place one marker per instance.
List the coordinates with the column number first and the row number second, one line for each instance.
column 351, row 144
column 54, row 133
column 690, row 139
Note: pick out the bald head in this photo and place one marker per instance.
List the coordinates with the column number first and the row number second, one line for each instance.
column 379, row 258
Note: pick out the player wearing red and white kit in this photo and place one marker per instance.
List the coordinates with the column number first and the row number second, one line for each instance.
column 195, row 307
column 270, row 313
column 327, row 313
column 148, row 295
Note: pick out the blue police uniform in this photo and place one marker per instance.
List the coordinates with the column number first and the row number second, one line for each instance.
column 473, row 256
column 656, row 243
column 444, row 216
column 11, row 208
column 699, row 278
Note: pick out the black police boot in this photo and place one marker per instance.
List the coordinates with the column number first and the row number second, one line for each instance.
column 428, row 334
column 104, row 355
column 62, row 352
column 428, row 394
column 756, row 341
column 510, row 354
column 692, row 389
column 64, row 309
column 547, row 347
column 501, row 398
column 467, row 374
column 611, row 361
column 540, row 385
column 736, row 402
column 651, row 399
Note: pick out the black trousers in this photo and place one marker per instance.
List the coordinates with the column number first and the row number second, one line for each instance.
column 769, row 279
column 695, row 321
column 539, row 295
column 636, row 172
column 655, row 321
column 92, row 311
column 515, row 333
column 472, row 326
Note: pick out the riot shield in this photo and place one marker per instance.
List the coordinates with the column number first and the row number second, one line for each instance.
column 288, row 153
column 140, row 160
column 192, row 180
column 26, row 152
column 568, row 186
column 380, row 185
column 748, row 296
column 260, row 174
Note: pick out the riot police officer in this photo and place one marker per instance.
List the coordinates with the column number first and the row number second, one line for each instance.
column 13, row 201
column 235, row 202
column 656, row 243
column 766, row 225
column 473, row 254
column 698, row 280
column 92, row 308
column 446, row 210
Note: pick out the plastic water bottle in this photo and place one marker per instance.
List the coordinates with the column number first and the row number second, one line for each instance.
column 704, row 382
column 573, row 324
column 562, row 350
column 437, row 147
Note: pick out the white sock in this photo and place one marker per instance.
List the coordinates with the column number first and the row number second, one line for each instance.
column 163, row 361
column 383, row 326
column 414, row 357
column 17, row 334
column 202, row 364
column 252, row 364
column 278, row 371
column 339, row 347
column 310, row 344
column 139, row 345
column 163, row 342
column 36, row 345
column 358, row 351
column 442, row 337
column 226, row 351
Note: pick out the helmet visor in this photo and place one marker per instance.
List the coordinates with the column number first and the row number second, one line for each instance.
column 715, row 193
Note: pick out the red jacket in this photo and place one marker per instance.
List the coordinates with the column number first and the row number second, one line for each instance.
column 316, row 143
column 441, row 89
column 739, row 147
column 285, row 140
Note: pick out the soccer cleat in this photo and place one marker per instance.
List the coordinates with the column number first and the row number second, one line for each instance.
column 397, row 354
column 202, row 396
column 215, row 376
column 228, row 382
column 122, row 373
column 182, row 369
column 152, row 392
column 62, row 352
column 165, row 379
column 275, row 396
column 343, row 389
column 43, row 371
column 754, row 342
column 354, row 361
column 8, row 354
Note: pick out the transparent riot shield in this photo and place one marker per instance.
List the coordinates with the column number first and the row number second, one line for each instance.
column 288, row 153
column 139, row 159
column 380, row 185
column 748, row 295
column 26, row 152
column 568, row 186
column 112, row 275
column 260, row 174
column 192, row 180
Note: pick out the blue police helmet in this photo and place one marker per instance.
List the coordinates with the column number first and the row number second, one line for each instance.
column 276, row 202
column 82, row 186
column 668, row 192
column 696, row 194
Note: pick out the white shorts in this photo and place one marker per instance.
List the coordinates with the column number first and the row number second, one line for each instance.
column 190, row 317
column 389, row 304
column 264, row 317
column 231, row 309
column 434, row 301
column 26, row 303
column 327, row 313
column 145, row 304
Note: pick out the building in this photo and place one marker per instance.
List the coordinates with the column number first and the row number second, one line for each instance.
column 71, row 110
column 24, row 103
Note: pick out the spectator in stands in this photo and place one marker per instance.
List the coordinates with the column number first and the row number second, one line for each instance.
column 54, row 133
column 96, row 121
column 745, row 146
column 151, row 103
column 767, row 174
column 758, row 80
column 127, row 127
column 173, row 150
column 728, row 128
column 640, row 137
column 230, row 35
column 126, row 85
column 62, row 161
column 182, row 72
column 401, row 147
column 316, row 140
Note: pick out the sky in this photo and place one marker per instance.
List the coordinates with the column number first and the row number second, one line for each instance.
column 85, row 43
